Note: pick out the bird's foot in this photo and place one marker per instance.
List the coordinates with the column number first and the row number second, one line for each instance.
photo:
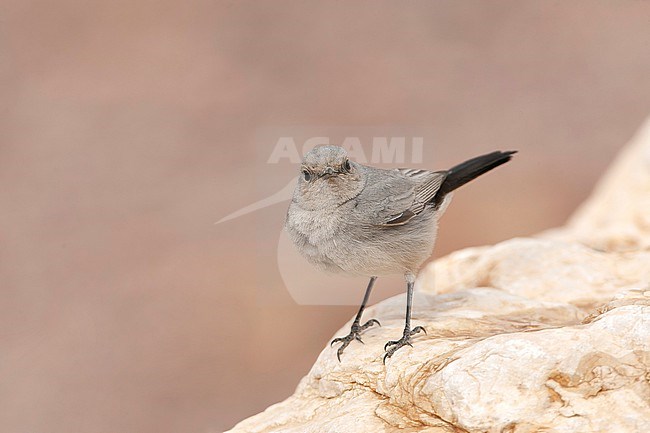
column 404, row 341
column 355, row 334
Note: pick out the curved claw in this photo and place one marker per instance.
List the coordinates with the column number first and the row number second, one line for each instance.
column 355, row 334
column 392, row 351
column 418, row 329
column 369, row 323
column 404, row 341
column 339, row 352
column 390, row 343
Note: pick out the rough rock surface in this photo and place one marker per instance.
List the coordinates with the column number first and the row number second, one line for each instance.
column 549, row 334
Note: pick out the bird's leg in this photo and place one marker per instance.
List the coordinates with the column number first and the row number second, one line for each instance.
column 356, row 329
column 408, row 332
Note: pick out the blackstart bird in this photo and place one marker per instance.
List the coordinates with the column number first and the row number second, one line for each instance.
column 359, row 220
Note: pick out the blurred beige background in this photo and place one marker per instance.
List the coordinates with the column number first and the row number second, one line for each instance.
column 128, row 128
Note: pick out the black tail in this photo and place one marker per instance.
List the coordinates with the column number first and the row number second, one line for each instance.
column 464, row 172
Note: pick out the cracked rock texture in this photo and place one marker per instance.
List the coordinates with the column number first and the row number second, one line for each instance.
column 550, row 333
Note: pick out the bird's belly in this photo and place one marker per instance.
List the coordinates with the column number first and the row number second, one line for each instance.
column 382, row 251
column 390, row 253
column 335, row 246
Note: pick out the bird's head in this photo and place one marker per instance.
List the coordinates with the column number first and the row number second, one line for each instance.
column 328, row 178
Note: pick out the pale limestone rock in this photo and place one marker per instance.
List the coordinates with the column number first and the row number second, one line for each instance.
column 545, row 269
column 534, row 334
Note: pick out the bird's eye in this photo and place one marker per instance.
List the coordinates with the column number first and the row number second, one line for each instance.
column 306, row 175
column 347, row 165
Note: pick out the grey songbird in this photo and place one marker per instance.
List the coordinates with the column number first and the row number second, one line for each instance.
column 358, row 220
